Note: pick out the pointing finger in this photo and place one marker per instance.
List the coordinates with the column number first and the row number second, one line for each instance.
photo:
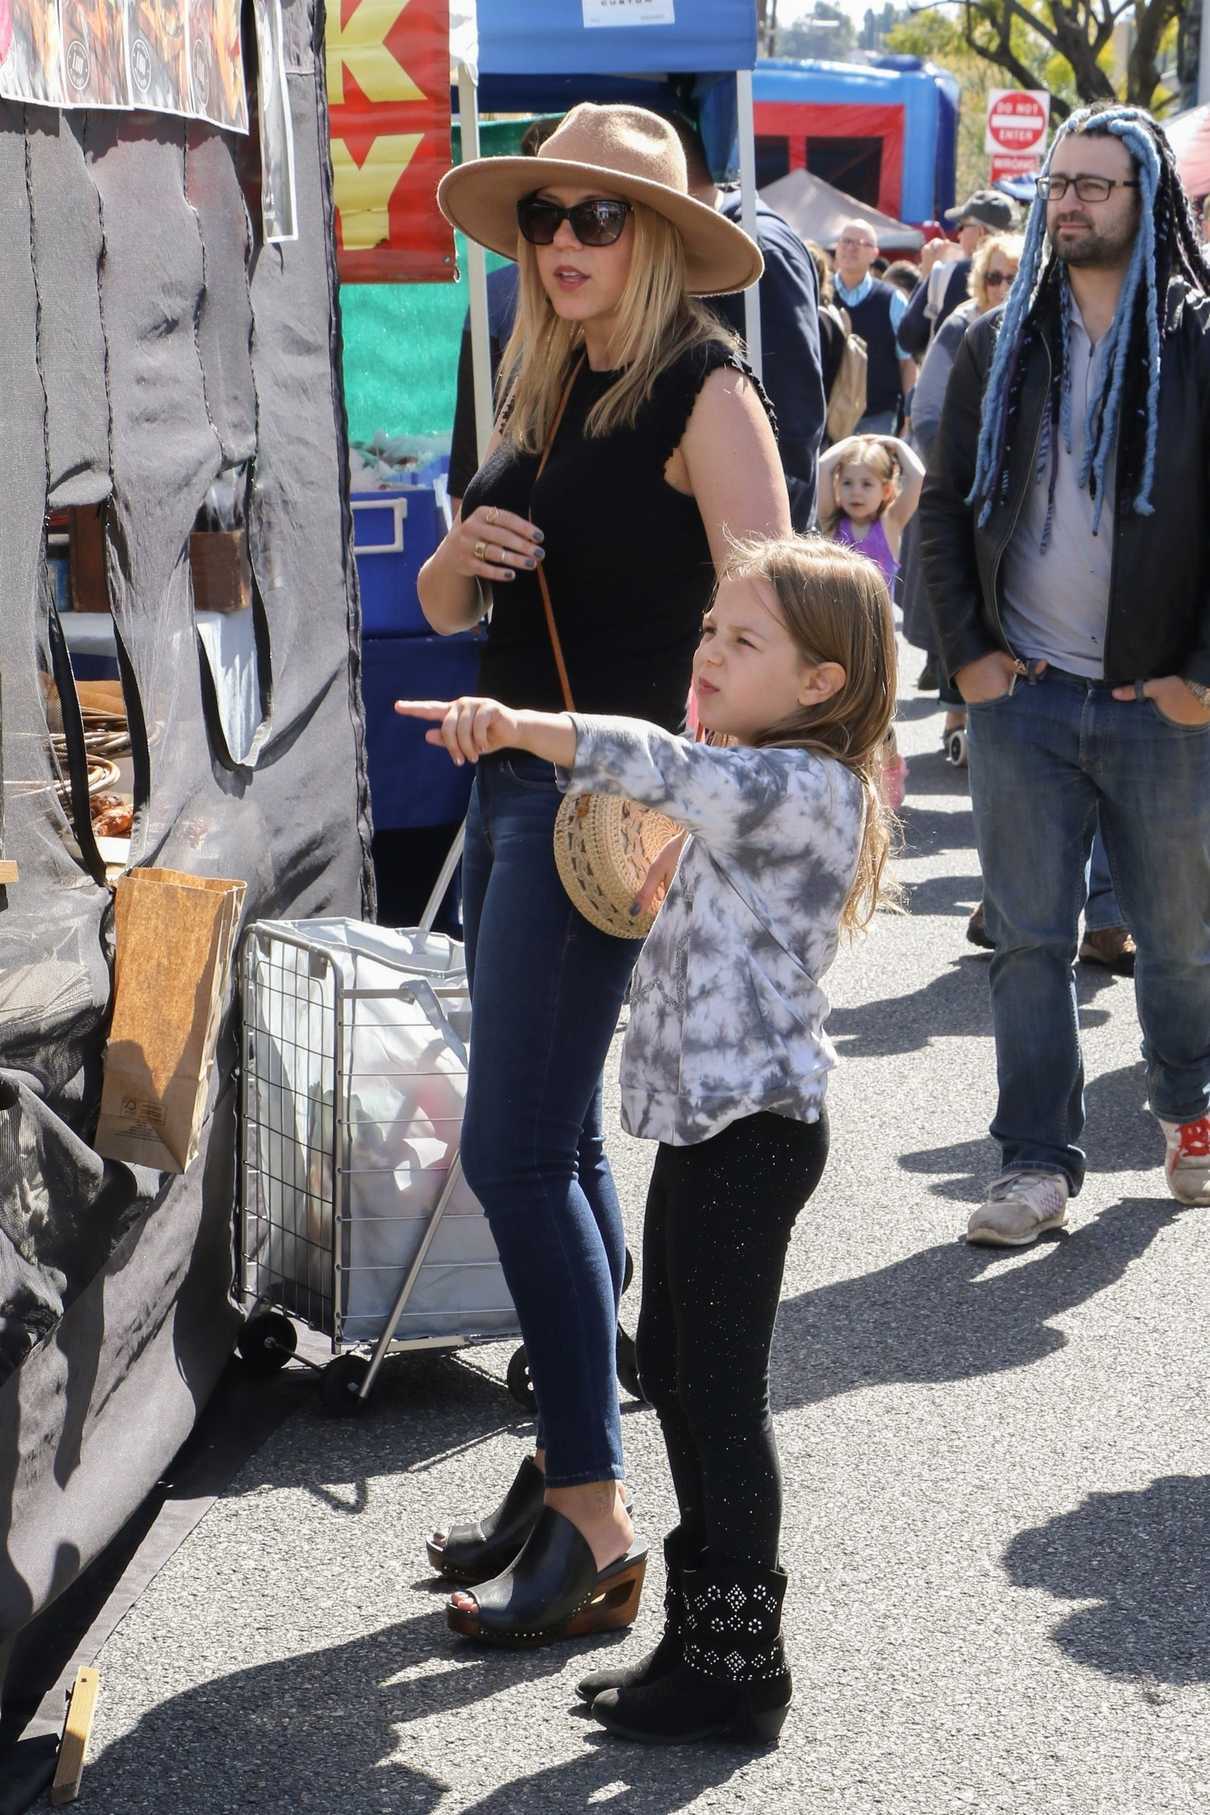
column 421, row 708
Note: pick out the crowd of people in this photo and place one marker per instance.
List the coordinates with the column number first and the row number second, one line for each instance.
column 1028, row 463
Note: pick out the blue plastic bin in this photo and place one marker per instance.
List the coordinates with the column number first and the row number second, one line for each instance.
column 411, row 782
column 394, row 533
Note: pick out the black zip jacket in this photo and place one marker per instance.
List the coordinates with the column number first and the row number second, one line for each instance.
column 1159, row 590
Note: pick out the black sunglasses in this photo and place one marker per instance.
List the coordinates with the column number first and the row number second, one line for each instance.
column 994, row 279
column 596, row 222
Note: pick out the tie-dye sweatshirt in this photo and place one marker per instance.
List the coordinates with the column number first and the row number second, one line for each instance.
column 726, row 1009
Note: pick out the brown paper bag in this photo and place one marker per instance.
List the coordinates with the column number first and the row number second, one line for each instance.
column 175, row 935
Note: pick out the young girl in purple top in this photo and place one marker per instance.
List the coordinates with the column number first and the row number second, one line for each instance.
column 869, row 487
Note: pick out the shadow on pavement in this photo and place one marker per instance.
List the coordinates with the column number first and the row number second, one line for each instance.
column 945, row 895
column 621, row 1777
column 327, row 1730
column 1140, row 1557
column 953, row 1312
column 916, row 705
column 951, row 1005
column 928, row 830
column 1120, row 1135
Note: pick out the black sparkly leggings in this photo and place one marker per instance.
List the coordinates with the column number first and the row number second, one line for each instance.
column 718, row 1223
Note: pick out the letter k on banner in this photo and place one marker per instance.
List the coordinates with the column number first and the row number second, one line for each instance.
column 388, row 69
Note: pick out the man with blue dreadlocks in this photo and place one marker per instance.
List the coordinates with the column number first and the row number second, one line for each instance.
column 1065, row 536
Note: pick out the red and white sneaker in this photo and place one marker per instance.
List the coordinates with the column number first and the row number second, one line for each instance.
column 1187, row 1160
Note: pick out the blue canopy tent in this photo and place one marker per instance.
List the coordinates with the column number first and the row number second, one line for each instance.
column 542, row 58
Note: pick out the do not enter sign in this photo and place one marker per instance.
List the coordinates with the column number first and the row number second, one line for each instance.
column 1017, row 119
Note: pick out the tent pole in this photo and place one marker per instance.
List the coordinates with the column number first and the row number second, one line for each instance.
column 747, row 178
column 476, row 271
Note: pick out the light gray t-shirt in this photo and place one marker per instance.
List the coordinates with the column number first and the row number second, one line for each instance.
column 1056, row 601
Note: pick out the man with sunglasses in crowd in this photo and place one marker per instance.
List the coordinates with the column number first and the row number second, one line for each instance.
column 1066, row 545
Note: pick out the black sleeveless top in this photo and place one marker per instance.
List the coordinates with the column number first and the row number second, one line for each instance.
column 627, row 560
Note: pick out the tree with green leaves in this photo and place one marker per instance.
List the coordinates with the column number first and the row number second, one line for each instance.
column 1065, row 46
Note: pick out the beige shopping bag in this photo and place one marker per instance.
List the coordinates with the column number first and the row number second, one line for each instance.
column 175, row 935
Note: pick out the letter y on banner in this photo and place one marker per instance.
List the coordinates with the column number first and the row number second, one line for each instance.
column 388, row 68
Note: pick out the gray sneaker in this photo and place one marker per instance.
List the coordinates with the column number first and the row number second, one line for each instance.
column 1020, row 1206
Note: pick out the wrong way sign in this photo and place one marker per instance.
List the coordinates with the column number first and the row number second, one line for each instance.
column 1017, row 121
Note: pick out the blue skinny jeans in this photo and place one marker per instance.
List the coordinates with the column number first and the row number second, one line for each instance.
column 546, row 991
column 1047, row 761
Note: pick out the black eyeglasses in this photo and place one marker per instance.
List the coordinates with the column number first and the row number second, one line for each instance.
column 596, row 222
column 1087, row 188
column 994, row 279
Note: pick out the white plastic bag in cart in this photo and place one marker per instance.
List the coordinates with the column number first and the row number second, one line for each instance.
column 350, row 1164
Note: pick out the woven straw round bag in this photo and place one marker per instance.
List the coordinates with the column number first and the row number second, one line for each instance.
column 604, row 846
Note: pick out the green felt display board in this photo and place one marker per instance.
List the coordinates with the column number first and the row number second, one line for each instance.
column 401, row 340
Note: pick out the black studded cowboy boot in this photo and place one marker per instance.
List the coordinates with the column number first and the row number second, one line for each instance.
column 678, row 1556
column 732, row 1681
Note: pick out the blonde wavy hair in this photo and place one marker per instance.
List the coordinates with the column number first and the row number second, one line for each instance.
column 835, row 604
column 657, row 321
column 1010, row 247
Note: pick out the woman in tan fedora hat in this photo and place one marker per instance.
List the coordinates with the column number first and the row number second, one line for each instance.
column 632, row 445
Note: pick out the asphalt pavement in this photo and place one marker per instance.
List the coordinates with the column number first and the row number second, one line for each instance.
column 997, row 1515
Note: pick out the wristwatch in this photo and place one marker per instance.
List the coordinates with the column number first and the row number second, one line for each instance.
column 1200, row 693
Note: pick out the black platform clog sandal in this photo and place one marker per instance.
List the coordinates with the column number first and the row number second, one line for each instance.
column 553, row 1590
column 479, row 1549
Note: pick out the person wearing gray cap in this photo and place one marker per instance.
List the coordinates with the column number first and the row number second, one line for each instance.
column 984, row 212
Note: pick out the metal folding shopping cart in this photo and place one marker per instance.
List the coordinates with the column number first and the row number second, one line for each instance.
column 354, row 1214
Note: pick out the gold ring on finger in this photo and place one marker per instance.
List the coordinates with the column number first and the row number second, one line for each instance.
column 481, row 551
column 493, row 516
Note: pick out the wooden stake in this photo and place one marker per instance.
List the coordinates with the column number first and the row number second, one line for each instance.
column 8, row 872
column 81, row 1707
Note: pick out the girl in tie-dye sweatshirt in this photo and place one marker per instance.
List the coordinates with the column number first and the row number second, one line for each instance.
column 725, row 1064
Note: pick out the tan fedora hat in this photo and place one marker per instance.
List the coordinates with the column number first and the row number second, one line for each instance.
column 622, row 151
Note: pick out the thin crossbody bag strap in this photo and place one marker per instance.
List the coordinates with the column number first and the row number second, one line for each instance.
column 549, row 610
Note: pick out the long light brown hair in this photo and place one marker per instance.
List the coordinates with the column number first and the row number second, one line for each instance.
column 835, row 604
column 657, row 321
column 866, row 450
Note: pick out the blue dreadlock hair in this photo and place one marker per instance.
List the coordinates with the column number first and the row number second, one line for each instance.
column 1167, row 244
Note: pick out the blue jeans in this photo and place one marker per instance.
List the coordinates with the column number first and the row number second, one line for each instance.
column 546, row 991
column 1101, row 909
column 1045, row 761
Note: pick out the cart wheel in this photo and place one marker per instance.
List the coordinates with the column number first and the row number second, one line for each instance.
column 518, row 1381
column 267, row 1342
column 339, row 1386
column 955, row 749
column 628, row 1273
column 628, row 1365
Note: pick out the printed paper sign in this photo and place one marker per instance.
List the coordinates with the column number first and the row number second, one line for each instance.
column 168, row 56
column 629, row 12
